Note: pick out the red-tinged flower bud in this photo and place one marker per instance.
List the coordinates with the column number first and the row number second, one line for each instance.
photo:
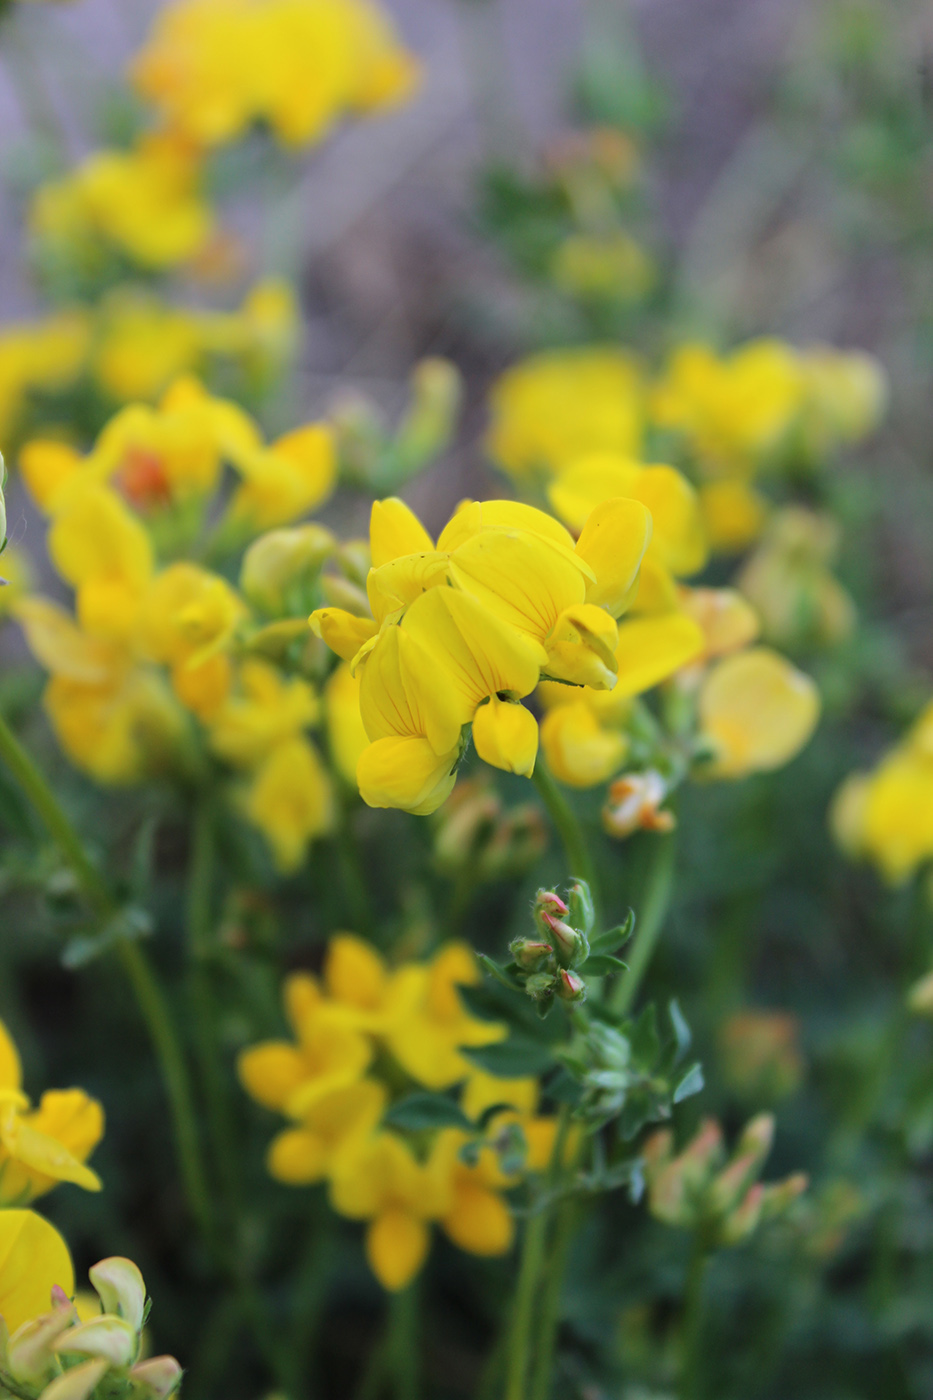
column 569, row 945
column 570, row 986
column 530, row 953
column 547, row 902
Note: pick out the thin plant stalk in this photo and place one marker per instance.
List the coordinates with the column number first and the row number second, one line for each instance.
column 566, row 825
column 655, row 905
column 568, row 1221
column 404, row 1343
column 691, row 1380
column 519, row 1349
column 137, row 967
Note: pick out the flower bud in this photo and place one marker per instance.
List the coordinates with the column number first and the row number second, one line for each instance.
column 121, row 1289
column 111, row 1338
column 548, row 902
column 635, row 804
column 30, row 1356
column 581, row 911
column 280, row 562
column 157, row 1378
column 570, row 986
column 464, row 825
column 530, row 953
column 78, row 1382
column 743, row 1220
column 437, row 393
column 340, row 592
column 540, row 986
column 920, row 996
column 569, row 945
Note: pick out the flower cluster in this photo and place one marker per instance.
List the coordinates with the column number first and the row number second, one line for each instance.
column 699, row 1189
column 458, row 633
column 886, row 816
column 54, row 1348
column 726, row 419
column 142, row 205
column 368, row 1034
column 156, row 639
column 132, row 345
column 214, row 68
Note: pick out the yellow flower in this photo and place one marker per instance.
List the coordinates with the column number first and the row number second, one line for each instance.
column 428, row 1022
column 189, row 613
column 46, row 355
column 142, row 203
column 214, row 67
column 115, row 720
column 267, row 710
column 525, row 600
column 34, row 1259
column 789, row 581
column 383, row 1183
column 734, row 514
column 285, row 480
column 290, row 800
column 757, row 711
column 580, row 750
column 98, row 545
column 39, row 1148
column 887, row 815
column 846, row 395
column 678, row 541
column 331, row 1125
column 290, row 1077
column 483, row 1091
column 562, row 404
column 346, row 733
column 475, row 1217
column 732, row 410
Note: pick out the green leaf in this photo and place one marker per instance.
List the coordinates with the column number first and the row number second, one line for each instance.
column 488, row 1114
column 682, row 1032
column 420, row 1111
column 614, row 938
column 602, row 964
column 644, row 1039
column 691, row 1083
column 515, row 1058
column 498, row 973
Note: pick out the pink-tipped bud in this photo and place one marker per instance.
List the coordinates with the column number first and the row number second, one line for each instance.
column 570, row 986
column 530, row 953
column 547, row 902
column 566, row 942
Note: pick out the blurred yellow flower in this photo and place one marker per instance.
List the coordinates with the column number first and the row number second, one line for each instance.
column 562, row 404
column 735, row 409
column 332, row 1125
column 263, row 711
column 734, row 514
column 142, row 204
column 213, row 68
column 427, row 1022
column 47, row 355
column 886, row 816
column 789, row 581
column 756, row 711
column 34, row 1259
column 285, row 480
column 42, row 1147
column 383, row 1183
column 290, row 799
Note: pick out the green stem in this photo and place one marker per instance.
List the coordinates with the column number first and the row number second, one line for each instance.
column 136, row 965
column 655, row 904
column 526, row 1294
column 568, row 1220
column 566, row 824
column 691, row 1355
column 404, row 1343
column 200, row 931
column 519, row 1347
